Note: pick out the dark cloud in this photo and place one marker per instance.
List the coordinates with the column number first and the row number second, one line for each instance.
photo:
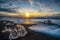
column 7, row 6
column 2, row 1
column 7, row 10
column 5, row 2
column 56, row 2
column 12, row 0
column 27, row 0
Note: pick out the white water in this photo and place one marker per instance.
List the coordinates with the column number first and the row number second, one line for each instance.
column 51, row 30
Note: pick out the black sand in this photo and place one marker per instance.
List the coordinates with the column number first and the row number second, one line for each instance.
column 31, row 35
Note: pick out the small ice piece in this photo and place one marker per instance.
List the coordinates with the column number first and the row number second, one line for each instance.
column 21, row 31
column 13, row 35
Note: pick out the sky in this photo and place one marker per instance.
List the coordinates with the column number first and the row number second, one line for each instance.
column 31, row 6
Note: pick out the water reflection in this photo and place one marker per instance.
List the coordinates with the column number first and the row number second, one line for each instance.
column 28, row 21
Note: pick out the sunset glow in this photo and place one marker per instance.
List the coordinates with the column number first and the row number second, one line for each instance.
column 27, row 15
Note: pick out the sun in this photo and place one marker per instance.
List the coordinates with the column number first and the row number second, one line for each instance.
column 27, row 15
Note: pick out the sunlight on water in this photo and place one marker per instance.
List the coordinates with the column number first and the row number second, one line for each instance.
column 27, row 22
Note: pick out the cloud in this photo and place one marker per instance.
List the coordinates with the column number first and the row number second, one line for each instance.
column 5, row 1
column 2, row 2
column 43, row 7
column 8, row 6
column 31, row 2
column 27, row 0
column 7, row 10
column 56, row 2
